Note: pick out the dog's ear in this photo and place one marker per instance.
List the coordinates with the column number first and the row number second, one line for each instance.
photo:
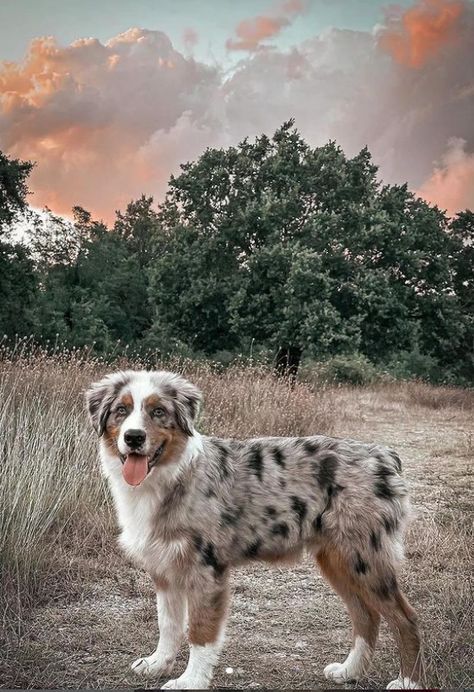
column 186, row 406
column 100, row 397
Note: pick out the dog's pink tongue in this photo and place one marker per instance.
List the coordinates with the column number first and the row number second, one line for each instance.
column 135, row 468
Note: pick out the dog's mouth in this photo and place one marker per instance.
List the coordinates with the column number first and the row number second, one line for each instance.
column 136, row 467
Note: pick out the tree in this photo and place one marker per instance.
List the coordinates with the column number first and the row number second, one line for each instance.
column 18, row 289
column 301, row 249
column 13, row 189
column 17, row 280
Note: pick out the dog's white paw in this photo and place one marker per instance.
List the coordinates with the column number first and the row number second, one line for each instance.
column 187, row 682
column 339, row 673
column 153, row 666
column 404, row 684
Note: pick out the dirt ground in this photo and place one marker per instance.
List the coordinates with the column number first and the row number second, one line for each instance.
column 286, row 624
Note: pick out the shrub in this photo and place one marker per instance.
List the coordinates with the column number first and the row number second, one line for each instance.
column 354, row 369
column 409, row 365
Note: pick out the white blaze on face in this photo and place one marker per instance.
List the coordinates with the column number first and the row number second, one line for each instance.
column 135, row 466
column 139, row 389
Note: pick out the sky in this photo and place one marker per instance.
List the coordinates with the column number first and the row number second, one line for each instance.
column 109, row 97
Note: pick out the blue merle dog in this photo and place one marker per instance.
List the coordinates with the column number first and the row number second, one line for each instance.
column 192, row 507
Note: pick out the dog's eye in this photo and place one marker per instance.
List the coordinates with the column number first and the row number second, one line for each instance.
column 158, row 412
column 121, row 411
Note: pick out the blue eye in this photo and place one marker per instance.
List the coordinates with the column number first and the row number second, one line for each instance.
column 121, row 410
column 158, row 412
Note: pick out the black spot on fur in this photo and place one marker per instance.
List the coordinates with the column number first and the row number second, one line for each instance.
column 387, row 587
column 229, row 518
column 318, row 522
column 197, row 539
column 382, row 487
column 310, row 447
column 281, row 529
column 255, row 462
column 375, row 540
column 271, row 512
column 171, row 391
column 223, row 458
column 299, row 508
column 361, row 567
column 278, row 457
column 326, row 472
column 210, row 492
column 209, row 558
column 390, row 524
column 397, row 459
column 282, row 483
column 252, row 549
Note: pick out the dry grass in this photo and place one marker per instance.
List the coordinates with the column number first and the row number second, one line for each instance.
column 75, row 614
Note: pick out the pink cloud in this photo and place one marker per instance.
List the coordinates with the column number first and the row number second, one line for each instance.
column 419, row 33
column 451, row 185
column 106, row 122
column 251, row 32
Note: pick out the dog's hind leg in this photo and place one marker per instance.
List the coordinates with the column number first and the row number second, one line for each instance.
column 171, row 607
column 365, row 618
column 208, row 603
column 402, row 620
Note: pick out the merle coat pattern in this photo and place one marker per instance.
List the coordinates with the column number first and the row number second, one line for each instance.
column 208, row 504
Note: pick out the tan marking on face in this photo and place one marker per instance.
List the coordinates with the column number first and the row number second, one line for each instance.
column 111, row 434
column 114, row 423
column 152, row 401
column 127, row 400
column 163, row 430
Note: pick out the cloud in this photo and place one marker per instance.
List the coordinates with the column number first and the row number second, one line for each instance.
column 86, row 113
column 451, row 186
column 109, row 121
column 190, row 39
column 416, row 35
column 251, row 32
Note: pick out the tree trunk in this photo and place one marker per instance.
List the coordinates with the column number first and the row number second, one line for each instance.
column 287, row 362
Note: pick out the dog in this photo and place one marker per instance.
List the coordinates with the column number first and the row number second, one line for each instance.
column 192, row 507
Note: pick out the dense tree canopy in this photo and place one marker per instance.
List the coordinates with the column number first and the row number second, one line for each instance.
column 270, row 243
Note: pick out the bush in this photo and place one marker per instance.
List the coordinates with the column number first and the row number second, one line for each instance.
column 354, row 369
column 411, row 365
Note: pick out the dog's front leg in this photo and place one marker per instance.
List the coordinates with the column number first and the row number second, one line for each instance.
column 208, row 601
column 171, row 607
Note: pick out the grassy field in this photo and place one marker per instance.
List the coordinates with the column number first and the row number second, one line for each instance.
column 75, row 614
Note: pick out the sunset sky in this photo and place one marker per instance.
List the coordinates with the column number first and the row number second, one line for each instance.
column 110, row 96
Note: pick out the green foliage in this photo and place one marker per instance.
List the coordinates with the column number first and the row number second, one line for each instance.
column 354, row 369
column 13, row 189
column 410, row 365
column 270, row 246
column 18, row 290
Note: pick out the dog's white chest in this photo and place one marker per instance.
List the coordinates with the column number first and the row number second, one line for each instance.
column 140, row 537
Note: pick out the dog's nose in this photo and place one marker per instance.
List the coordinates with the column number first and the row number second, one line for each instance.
column 134, row 438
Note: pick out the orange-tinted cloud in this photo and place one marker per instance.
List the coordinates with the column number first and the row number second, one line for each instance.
column 451, row 186
column 420, row 32
column 106, row 122
column 87, row 112
column 251, row 32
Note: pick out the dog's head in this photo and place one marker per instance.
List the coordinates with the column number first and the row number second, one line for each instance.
column 144, row 418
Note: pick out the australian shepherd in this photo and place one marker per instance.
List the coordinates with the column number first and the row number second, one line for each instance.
column 192, row 507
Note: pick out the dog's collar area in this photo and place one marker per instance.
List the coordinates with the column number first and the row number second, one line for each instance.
column 154, row 459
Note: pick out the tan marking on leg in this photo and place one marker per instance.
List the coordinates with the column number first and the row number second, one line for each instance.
column 365, row 618
column 160, row 583
column 207, row 617
column 403, row 622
